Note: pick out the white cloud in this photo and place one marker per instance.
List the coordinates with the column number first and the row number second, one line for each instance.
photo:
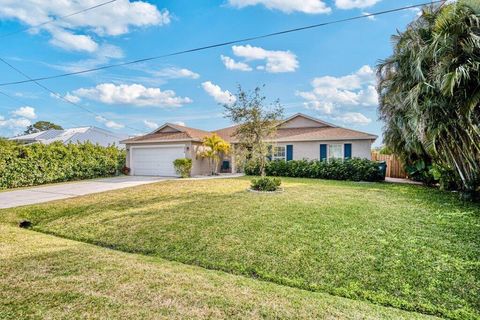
column 134, row 94
column 72, row 98
column 150, row 124
column 25, row 112
column 180, row 123
column 329, row 93
column 351, row 4
column 353, row 118
column 275, row 61
column 231, row 64
column 109, row 123
column 74, row 42
column 15, row 125
column 175, row 73
column 288, row 6
column 108, row 20
column 217, row 93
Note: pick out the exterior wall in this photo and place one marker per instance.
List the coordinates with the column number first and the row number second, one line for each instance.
column 200, row 165
column 311, row 149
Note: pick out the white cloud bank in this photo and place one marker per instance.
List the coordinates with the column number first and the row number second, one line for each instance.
column 352, row 4
column 287, row 6
column 175, row 73
column 14, row 126
column 25, row 112
column 134, row 94
column 331, row 93
column 276, row 61
column 353, row 118
column 109, row 123
column 231, row 64
column 71, row 33
column 218, row 94
column 150, row 124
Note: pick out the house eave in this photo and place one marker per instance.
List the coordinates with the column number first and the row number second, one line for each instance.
column 373, row 138
column 159, row 141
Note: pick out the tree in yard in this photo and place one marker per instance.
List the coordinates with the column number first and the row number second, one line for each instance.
column 42, row 126
column 213, row 147
column 430, row 94
column 256, row 124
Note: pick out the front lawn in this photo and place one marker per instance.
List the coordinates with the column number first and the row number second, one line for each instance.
column 396, row 245
column 45, row 277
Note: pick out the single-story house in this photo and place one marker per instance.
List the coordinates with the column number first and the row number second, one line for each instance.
column 298, row 137
column 74, row 135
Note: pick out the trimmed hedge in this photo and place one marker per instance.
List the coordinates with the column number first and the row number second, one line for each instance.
column 266, row 184
column 29, row 165
column 352, row 169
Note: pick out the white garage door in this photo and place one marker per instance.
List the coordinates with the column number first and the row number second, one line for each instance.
column 155, row 161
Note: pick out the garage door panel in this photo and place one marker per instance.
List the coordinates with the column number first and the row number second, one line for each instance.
column 155, row 161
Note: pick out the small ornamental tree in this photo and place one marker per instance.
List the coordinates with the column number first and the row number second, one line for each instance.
column 213, row 147
column 183, row 167
column 256, row 124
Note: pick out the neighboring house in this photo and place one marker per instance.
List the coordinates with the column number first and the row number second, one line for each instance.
column 74, row 135
column 298, row 137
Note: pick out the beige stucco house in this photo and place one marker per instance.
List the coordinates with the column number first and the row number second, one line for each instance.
column 298, row 137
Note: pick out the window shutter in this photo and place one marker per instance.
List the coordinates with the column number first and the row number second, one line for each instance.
column 347, row 150
column 323, row 152
column 289, row 152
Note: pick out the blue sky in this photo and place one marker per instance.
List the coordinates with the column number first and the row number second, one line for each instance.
column 326, row 72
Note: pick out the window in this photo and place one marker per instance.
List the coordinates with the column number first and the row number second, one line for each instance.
column 278, row 153
column 335, row 151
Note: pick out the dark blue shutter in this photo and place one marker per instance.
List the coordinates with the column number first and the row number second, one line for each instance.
column 289, row 152
column 323, row 152
column 347, row 150
column 270, row 152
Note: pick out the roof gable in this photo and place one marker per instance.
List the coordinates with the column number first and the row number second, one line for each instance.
column 168, row 127
column 300, row 120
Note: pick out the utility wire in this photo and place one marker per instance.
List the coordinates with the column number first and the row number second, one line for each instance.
column 223, row 44
column 58, row 95
column 56, row 19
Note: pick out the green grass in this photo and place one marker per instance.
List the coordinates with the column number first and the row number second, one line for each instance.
column 45, row 277
column 405, row 246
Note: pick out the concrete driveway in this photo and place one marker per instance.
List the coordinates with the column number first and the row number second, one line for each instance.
column 16, row 198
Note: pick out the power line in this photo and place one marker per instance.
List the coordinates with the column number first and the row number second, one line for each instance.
column 58, row 95
column 223, row 44
column 56, row 19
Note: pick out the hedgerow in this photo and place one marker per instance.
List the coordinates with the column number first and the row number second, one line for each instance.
column 29, row 165
column 351, row 169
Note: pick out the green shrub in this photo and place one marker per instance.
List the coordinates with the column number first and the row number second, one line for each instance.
column 183, row 167
column 266, row 184
column 29, row 165
column 350, row 169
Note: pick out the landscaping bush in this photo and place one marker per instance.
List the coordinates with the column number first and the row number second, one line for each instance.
column 29, row 165
column 350, row 169
column 183, row 167
column 266, row 184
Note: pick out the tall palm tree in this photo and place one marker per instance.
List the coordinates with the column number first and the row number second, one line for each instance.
column 430, row 91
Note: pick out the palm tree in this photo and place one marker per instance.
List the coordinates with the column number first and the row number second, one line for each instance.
column 430, row 94
column 213, row 147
